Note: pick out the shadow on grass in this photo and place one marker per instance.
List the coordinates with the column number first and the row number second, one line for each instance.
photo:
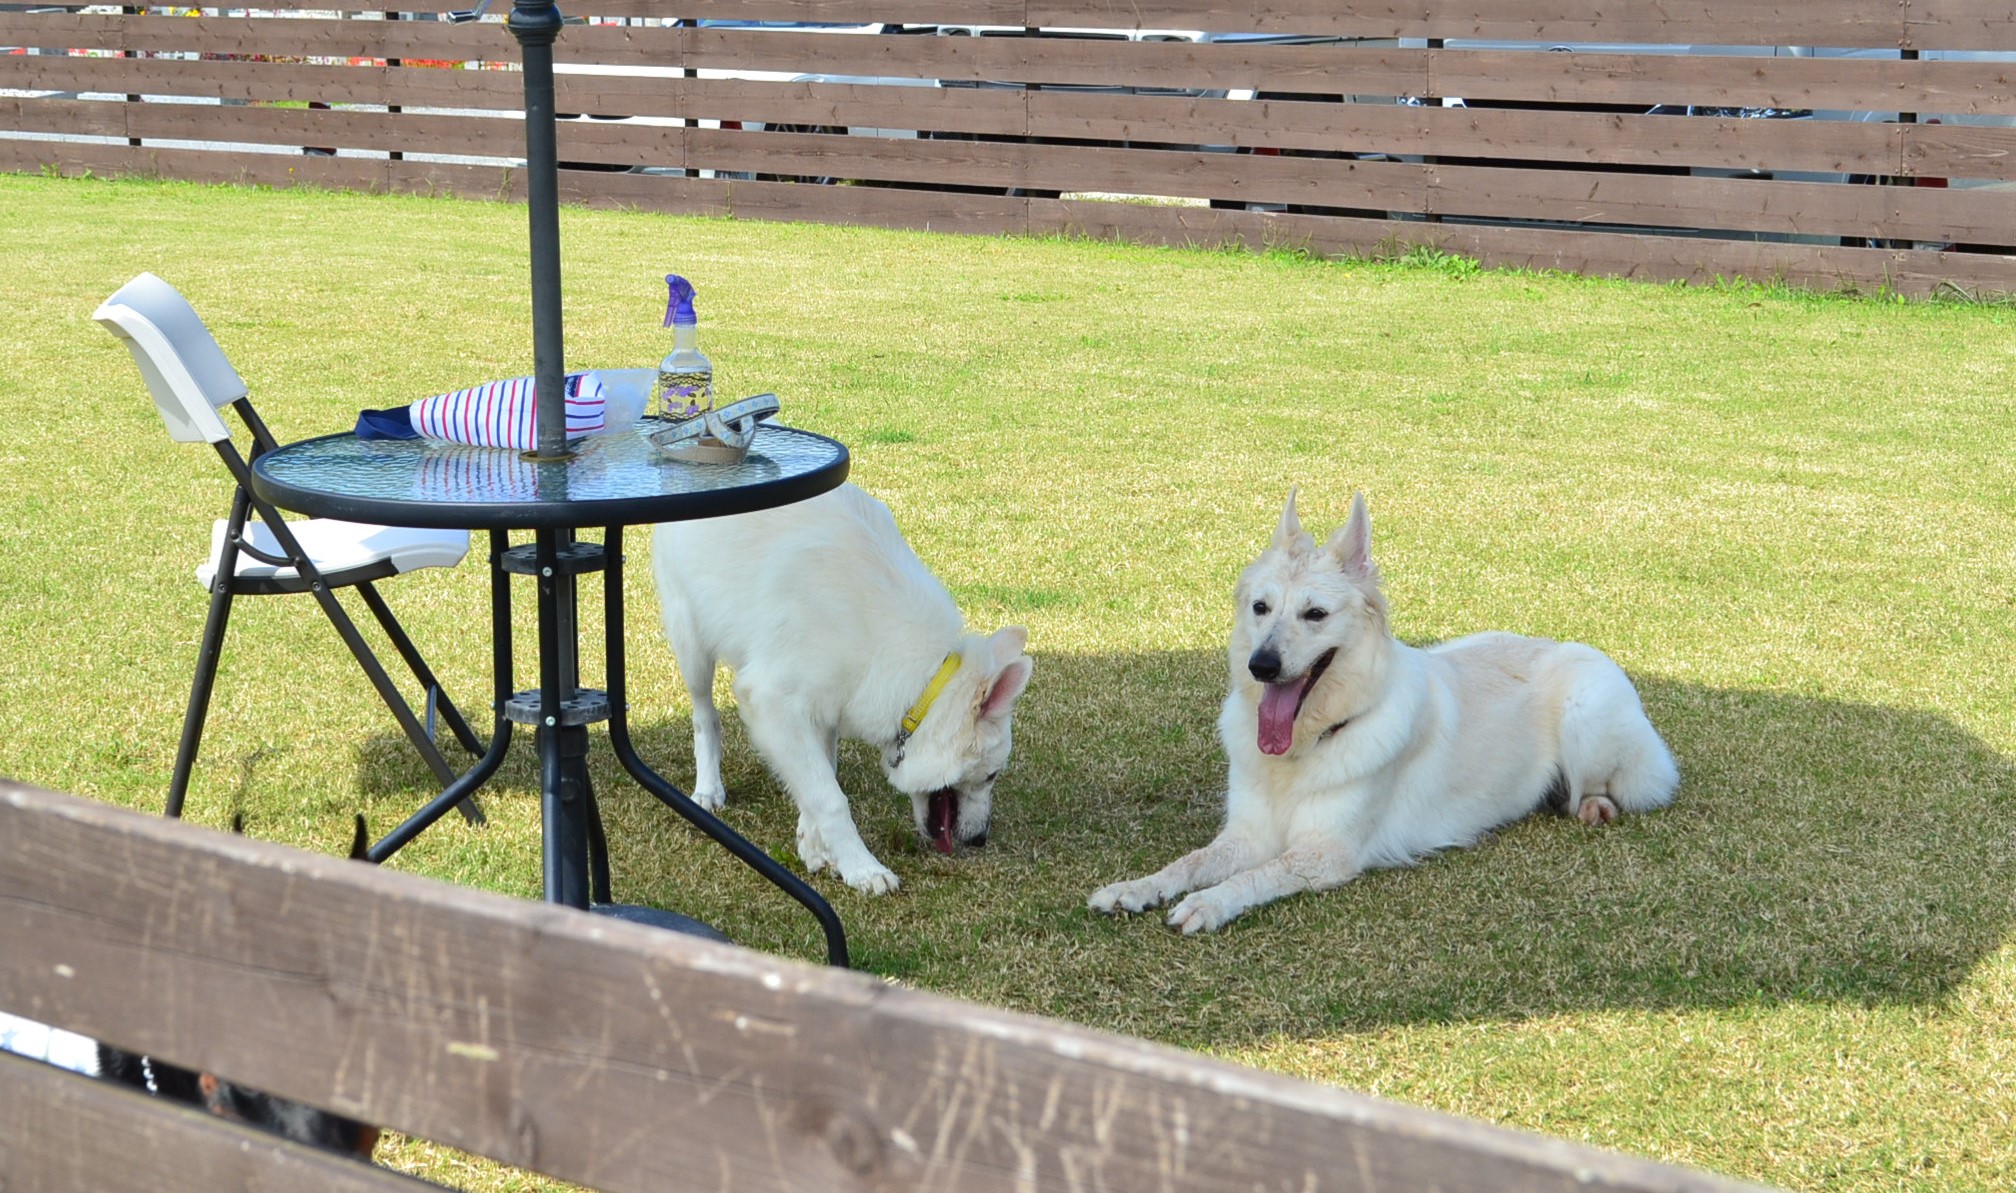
column 1818, row 851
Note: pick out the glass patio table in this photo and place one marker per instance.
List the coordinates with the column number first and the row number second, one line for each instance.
column 611, row 482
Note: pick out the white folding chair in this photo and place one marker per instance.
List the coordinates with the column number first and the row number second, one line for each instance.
column 192, row 382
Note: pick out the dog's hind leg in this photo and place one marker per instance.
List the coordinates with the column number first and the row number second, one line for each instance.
column 698, row 657
column 1302, row 868
column 696, row 667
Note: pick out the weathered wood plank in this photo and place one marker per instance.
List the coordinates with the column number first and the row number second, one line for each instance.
column 412, row 86
column 1594, row 197
column 1643, row 257
column 1589, row 197
column 1908, row 272
column 197, row 165
column 1953, row 24
column 1588, row 138
column 566, row 1043
column 61, row 1131
column 308, row 37
column 1969, row 88
column 235, row 124
column 1826, row 146
column 1947, row 87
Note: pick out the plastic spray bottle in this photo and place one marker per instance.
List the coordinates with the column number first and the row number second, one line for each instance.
column 685, row 377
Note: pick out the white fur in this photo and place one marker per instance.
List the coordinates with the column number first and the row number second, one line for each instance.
column 1436, row 747
column 834, row 629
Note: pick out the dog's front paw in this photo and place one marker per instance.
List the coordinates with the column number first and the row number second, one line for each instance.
column 711, row 800
column 1137, row 895
column 812, row 850
column 1203, row 911
column 873, row 880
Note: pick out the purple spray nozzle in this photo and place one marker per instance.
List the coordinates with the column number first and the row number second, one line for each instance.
column 679, row 304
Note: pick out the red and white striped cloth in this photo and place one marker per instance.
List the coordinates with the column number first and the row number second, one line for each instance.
column 505, row 413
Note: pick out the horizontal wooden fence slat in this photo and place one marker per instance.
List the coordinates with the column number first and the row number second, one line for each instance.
column 1922, row 24
column 1646, row 257
column 626, row 1058
column 386, row 131
column 1840, row 84
column 1730, row 80
column 63, row 1131
column 1855, row 23
column 1840, row 147
column 1821, row 146
column 1420, row 189
column 306, row 37
column 415, row 86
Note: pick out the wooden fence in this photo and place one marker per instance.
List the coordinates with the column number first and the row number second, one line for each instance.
column 616, row 1056
column 1827, row 142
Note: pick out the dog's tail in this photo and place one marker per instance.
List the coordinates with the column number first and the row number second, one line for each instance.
column 1646, row 775
column 1608, row 746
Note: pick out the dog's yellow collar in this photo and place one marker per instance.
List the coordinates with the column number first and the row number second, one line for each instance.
column 915, row 716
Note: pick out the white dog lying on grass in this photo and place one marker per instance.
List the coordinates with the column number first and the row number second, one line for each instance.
column 1351, row 750
column 834, row 629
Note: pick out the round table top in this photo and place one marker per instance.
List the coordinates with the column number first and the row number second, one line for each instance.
column 613, row 480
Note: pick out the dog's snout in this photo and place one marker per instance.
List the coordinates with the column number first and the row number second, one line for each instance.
column 1265, row 665
column 977, row 840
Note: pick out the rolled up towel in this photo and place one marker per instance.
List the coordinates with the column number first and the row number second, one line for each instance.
column 505, row 413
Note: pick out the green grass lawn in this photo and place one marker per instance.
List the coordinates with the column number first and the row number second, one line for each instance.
column 1791, row 518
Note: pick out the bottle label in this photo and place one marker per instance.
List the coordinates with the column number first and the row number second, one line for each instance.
column 684, row 393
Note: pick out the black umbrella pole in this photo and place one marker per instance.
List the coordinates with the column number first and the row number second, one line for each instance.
column 536, row 25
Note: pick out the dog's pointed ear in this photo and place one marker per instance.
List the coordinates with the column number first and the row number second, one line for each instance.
column 1011, row 672
column 1007, row 645
column 1288, row 532
column 1352, row 544
column 360, row 842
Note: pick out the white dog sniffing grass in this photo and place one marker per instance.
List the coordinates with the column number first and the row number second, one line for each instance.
column 835, row 629
column 1350, row 750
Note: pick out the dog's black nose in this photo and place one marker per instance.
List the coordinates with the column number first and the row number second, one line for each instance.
column 977, row 840
column 1265, row 666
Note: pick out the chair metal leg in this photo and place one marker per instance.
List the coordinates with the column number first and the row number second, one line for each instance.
column 359, row 649
column 207, row 657
column 500, row 732
column 396, row 634
column 389, row 693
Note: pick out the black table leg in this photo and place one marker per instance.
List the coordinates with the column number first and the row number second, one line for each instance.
column 598, row 854
column 563, row 785
column 575, row 847
column 563, row 748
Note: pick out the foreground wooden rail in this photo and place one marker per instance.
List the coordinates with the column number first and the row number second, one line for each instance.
column 612, row 1055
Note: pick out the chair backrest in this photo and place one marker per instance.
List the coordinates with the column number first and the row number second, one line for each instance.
column 185, row 369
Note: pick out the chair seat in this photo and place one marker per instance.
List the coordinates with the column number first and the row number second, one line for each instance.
column 336, row 547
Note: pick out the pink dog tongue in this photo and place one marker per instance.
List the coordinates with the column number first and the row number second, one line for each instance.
column 1278, row 705
column 943, row 811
